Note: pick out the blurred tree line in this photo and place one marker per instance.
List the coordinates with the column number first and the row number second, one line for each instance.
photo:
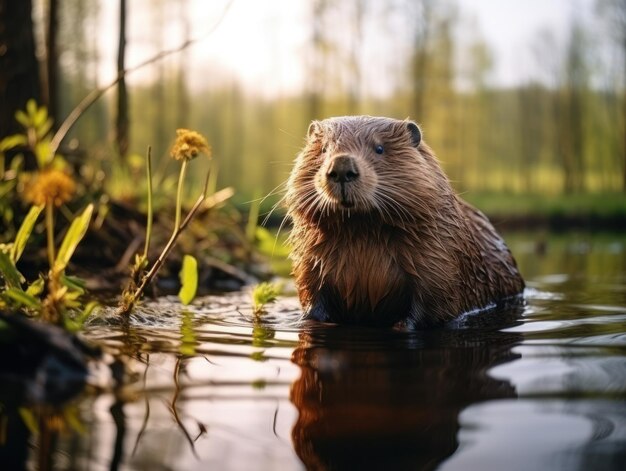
column 561, row 130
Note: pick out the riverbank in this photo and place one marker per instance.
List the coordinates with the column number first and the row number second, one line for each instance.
column 606, row 211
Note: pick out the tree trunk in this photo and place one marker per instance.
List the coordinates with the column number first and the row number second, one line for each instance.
column 19, row 70
column 122, row 120
column 624, row 143
column 183, row 104
column 624, row 117
column 51, row 88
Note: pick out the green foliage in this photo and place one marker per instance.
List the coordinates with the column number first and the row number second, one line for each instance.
column 506, row 205
column 75, row 323
column 263, row 294
column 11, row 276
column 188, row 279
column 62, row 303
column 37, row 125
column 72, row 238
column 22, row 298
column 9, row 142
column 24, row 232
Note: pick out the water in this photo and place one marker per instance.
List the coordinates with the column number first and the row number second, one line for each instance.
column 540, row 387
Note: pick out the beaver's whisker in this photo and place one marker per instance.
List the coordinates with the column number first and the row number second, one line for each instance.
column 392, row 205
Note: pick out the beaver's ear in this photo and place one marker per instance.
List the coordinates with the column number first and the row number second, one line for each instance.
column 314, row 129
column 416, row 133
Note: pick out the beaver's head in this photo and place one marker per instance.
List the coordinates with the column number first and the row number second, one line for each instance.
column 361, row 165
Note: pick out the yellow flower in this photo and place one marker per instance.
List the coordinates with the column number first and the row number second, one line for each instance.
column 189, row 144
column 50, row 187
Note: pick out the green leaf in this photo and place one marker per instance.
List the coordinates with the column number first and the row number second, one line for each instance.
column 24, row 232
column 23, row 298
column 22, row 118
column 74, row 283
column 75, row 233
column 75, row 325
column 31, row 107
column 17, row 162
column 188, row 279
column 40, row 118
column 36, row 287
column 10, row 142
column 44, row 129
column 12, row 277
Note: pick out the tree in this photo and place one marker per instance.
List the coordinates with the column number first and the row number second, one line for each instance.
column 52, row 63
column 122, row 120
column 316, row 65
column 19, row 70
column 614, row 14
column 571, row 109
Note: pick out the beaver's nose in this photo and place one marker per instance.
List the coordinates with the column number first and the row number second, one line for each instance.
column 342, row 169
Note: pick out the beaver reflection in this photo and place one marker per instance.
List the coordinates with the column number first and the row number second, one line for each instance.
column 371, row 398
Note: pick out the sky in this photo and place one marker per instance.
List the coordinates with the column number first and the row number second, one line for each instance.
column 261, row 42
column 510, row 26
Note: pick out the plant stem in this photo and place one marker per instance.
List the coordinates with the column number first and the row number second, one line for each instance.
column 150, row 214
column 50, row 233
column 126, row 309
column 179, row 194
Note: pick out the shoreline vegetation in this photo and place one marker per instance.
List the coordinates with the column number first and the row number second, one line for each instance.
column 592, row 211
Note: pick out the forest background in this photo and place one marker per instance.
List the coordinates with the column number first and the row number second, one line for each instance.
column 553, row 131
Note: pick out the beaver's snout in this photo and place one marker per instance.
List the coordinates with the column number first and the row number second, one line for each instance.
column 342, row 169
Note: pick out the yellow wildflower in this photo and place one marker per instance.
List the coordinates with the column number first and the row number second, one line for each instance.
column 189, row 144
column 50, row 187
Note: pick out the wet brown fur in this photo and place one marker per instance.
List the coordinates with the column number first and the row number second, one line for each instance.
column 404, row 248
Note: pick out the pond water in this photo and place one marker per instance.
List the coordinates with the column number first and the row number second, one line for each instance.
column 541, row 386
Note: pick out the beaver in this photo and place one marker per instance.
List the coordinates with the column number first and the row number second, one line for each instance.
column 380, row 237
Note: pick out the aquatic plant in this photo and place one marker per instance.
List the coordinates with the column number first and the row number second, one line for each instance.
column 263, row 294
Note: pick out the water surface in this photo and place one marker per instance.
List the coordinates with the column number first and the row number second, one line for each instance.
column 540, row 386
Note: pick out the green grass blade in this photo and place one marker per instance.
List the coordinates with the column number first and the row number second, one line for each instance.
column 11, row 276
column 24, row 232
column 75, row 233
column 23, row 298
column 12, row 141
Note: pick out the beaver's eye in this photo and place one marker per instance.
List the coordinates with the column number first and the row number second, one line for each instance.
column 379, row 149
column 324, row 149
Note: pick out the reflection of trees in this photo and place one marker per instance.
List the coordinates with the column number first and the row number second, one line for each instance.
column 589, row 265
column 381, row 399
